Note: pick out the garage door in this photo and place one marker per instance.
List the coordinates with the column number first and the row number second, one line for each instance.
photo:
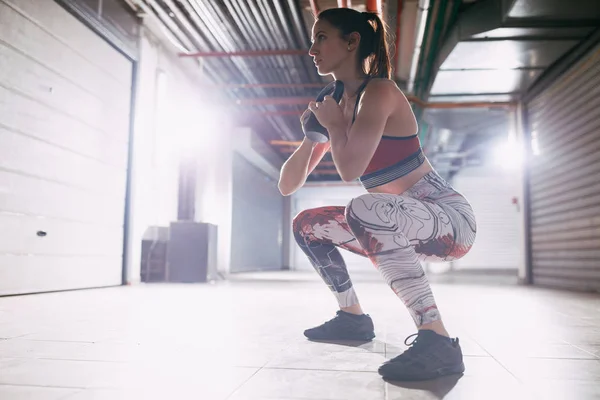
column 564, row 122
column 64, row 122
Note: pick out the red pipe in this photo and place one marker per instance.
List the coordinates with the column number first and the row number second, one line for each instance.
column 315, row 8
column 374, row 6
column 306, row 100
column 250, row 53
column 265, row 85
column 273, row 113
column 260, row 101
column 344, row 3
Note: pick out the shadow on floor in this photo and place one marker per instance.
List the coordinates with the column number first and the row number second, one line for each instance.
column 439, row 387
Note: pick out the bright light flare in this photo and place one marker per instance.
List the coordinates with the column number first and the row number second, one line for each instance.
column 508, row 154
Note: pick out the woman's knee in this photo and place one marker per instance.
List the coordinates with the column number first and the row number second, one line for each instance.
column 299, row 224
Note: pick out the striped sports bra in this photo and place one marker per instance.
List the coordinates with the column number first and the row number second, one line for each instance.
column 395, row 156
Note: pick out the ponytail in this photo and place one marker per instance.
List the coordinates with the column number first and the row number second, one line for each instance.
column 373, row 54
column 378, row 58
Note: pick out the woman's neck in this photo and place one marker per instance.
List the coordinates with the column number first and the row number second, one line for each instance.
column 352, row 84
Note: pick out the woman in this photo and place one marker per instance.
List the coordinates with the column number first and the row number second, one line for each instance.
column 409, row 214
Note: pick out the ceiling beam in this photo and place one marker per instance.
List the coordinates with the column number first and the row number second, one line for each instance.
column 248, row 53
column 261, row 101
column 264, row 85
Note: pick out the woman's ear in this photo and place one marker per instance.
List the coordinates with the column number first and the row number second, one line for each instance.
column 353, row 41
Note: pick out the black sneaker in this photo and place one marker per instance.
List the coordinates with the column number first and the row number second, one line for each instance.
column 430, row 356
column 344, row 326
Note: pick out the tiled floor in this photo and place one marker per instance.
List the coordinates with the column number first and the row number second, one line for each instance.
column 242, row 339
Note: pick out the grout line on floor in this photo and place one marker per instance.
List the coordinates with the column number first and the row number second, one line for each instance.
column 243, row 383
column 318, row 369
column 498, row 361
column 596, row 357
column 78, row 360
column 41, row 386
column 59, row 341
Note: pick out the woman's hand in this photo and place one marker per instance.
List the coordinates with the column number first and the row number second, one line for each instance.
column 328, row 112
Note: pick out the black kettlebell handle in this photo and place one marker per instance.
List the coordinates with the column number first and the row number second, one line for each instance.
column 335, row 89
column 311, row 126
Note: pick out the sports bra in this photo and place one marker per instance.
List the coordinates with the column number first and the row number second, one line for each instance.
column 395, row 156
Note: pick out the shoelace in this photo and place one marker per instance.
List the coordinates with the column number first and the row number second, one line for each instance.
column 332, row 321
column 413, row 347
column 415, row 335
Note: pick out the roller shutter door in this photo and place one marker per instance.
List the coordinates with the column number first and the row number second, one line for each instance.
column 564, row 123
column 64, row 123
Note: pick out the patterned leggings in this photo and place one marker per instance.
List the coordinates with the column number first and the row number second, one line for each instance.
column 430, row 221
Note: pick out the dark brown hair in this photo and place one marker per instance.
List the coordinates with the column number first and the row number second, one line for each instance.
column 373, row 55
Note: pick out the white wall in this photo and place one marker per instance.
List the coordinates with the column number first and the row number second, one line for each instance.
column 214, row 190
column 172, row 123
column 325, row 195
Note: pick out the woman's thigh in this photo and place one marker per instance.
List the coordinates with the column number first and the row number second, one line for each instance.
column 437, row 231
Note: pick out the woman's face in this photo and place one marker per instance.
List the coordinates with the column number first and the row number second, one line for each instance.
column 329, row 50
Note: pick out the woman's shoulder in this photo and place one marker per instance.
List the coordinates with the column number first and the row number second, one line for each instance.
column 382, row 86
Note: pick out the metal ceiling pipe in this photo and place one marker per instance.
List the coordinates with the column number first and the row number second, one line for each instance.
column 298, row 24
column 179, row 35
column 289, row 37
column 215, row 26
column 242, row 65
column 203, row 15
column 165, row 19
column 291, row 100
column 248, row 18
column 422, row 13
column 275, row 113
column 301, row 36
column 251, row 13
column 249, row 36
column 374, row 6
column 287, row 67
column 481, row 104
column 196, row 15
column 344, row 3
column 265, row 85
column 199, row 41
column 306, row 100
column 249, row 53
column 274, row 100
column 301, row 64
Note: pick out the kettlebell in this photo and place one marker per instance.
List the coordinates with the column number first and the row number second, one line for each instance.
column 310, row 125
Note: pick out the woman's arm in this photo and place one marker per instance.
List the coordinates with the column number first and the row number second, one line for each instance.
column 300, row 164
column 353, row 149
